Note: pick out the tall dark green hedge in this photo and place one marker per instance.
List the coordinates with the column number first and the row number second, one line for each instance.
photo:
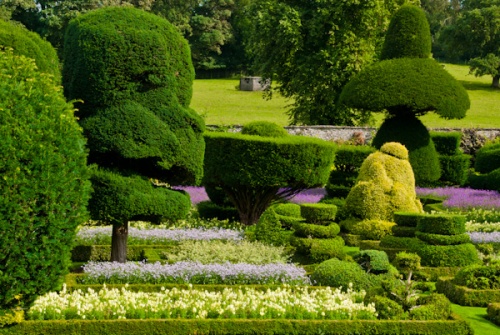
column 44, row 185
column 29, row 44
column 133, row 71
column 252, row 169
column 408, row 35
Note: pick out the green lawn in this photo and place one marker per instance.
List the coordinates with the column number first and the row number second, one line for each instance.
column 477, row 318
column 221, row 103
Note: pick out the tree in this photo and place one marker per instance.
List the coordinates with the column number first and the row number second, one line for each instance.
column 475, row 37
column 254, row 171
column 310, row 50
column 406, row 85
column 133, row 71
column 44, row 182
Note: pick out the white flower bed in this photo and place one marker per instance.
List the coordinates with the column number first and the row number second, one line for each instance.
column 285, row 302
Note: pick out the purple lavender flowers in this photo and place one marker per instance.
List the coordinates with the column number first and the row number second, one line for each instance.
column 464, row 198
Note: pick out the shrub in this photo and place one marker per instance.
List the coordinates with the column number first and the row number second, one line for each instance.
column 387, row 309
column 264, row 128
column 448, row 255
column 488, row 158
column 447, row 143
column 319, row 213
column 210, row 210
column 316, row 231
column 268, row 229
column 406, row 219
column 432, row 307
column 408, row 35
column 409, row 243
column 44, row 182
column 455, row 169
column 254, row 170
column 31, row 45
column 403, row 231
column 373, row 229
column 438, row 239
column 444, row 224
column 373, row 261
column 479, row 277
column 337, row 273
column 217, row 196
column 287, row 209
column 324, row 249
column 487, row 181
column 493, row 312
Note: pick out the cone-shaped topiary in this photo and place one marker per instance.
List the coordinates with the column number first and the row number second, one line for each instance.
column 385, row 184
column 406, row 84
column 408, row 35
column 29, row 44
column 133, row 71
column 44, row 182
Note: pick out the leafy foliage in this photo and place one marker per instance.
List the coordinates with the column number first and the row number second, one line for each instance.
column 44, row 182
column 337, row 273
column 264, row 128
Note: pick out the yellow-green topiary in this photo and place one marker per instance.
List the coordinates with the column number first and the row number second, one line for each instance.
column 385, row 184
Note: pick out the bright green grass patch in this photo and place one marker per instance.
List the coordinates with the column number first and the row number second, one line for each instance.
column 476, row 316
column 221, row 103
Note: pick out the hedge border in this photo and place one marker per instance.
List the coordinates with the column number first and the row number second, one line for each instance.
column 493, row 312
column 456, row 326
column 465, row 296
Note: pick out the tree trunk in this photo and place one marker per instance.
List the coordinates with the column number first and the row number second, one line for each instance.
column 496, row 81
column 119, row 242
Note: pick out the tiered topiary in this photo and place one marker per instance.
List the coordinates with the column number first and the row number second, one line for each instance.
column 385, row 185
column 445, row 241
column 348, row 160
column 133, row 71
column 317, row 236
column 407, row 83
column 454, row 163
column 403, row 234
column 487, row 168
column 44, row 185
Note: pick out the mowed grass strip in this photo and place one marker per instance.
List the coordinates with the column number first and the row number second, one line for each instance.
column 222, row 103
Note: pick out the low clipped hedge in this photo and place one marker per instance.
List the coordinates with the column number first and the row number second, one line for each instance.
column 406, row 219
column 488, row 158
column 446, row 143
column 408, row 243
column 372, row 229
column 493, row 312
column 486, row 181
column 455, row 169
column 465, row 296
column 401, row 231
column 444, row 224
column 438, row 239
column 479, row 277
column 319, row 249
column 102, row 253
column 316, row 231
column 447, row 255
column 318, row 213
column 455, row 326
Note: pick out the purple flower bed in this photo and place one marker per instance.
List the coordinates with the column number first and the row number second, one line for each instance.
column 197, row 194
column 464, row 198
column 478, row 237
column 193, row 273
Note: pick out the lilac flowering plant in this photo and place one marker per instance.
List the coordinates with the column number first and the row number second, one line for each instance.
column 193, row 273
column 480, row 237
column 464, row 198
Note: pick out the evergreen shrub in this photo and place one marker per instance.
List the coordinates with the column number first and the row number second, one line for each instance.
column 455, row 169
column 438, row 239
column 488, row 158
column 479, row 277
column 373, row 229
column 269, row 230
column 487, row 181
column 318, row 213
column 448, row 255
column 493, row 312
column 44, row 182
column 432, row 307
column 373, row 261
column 388, row 309
column 401, row 231
column 406, row 219
column 324, row 249
column 316, row 231
column 287, row 209
column 264, row 128
column 444, row 224
column 337, row 273
column 210, row 210
column 446, row 143
column 408, row 243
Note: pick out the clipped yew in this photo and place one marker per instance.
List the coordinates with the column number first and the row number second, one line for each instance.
column 44, row 184
column 405, row 84
column 133, row 72
column 255, row 171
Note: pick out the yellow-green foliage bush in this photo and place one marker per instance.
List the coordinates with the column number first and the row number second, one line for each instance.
column 385, row 184
column 373, row 229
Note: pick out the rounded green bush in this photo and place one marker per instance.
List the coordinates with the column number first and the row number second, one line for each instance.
column 387, row 309
column 409, row 243
column 438, row 239
column 395, row 149
column 487, row 181
column 337, row 273
column 323, row 249
column 44, row 182
column 488, row 158
column 402, row 231
column 316, row 231
column 409, row 131
column 269, row 230
column 408, row 35
column 447, row 255
column 432, row 307
column 373, row 261
column 30, row 44
column 318, row 213
column 444, row 224
column 264, row 128
column 479, row 277
column 372, row 229
column 287, row 209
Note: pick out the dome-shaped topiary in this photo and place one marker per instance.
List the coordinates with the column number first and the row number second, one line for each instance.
column 408, row 35
column 337, row 273
column 264, row 128
column 44, row 182
column 29, row 44
column 395, row 149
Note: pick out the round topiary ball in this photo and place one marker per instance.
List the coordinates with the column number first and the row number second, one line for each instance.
column 264, row 128
column 44, row 182
column 337, row 273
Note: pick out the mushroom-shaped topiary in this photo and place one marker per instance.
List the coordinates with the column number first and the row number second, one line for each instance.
column 407, row 84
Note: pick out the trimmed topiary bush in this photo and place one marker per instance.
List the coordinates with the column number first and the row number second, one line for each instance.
column 385, row 185
column 479, row 277
column 447, row 143
column 448, row 255
column 30, row 44
column 324, row 249
column 210, row 210
column 401, row 231
column 373, row 261
column 269, row 230
column 319, row 213
column 373, row 229
column 438, row 239
column 432, row 307
column 493, row 312
column 406, row 219
column 264, row 128
column 488, row 158
column 44, row 182
column 487, row 181
column 337, row 273
column 444, row 224
column 408, row 35
column 455, row 169
column 254, row 171
column 316, row 231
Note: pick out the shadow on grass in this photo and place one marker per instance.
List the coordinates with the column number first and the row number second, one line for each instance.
column 477, row 86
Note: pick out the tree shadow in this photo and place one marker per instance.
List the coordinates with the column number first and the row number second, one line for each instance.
column 476, row 86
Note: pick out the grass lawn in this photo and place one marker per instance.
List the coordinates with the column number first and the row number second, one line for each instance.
column 221, row 103
column 477, row 318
